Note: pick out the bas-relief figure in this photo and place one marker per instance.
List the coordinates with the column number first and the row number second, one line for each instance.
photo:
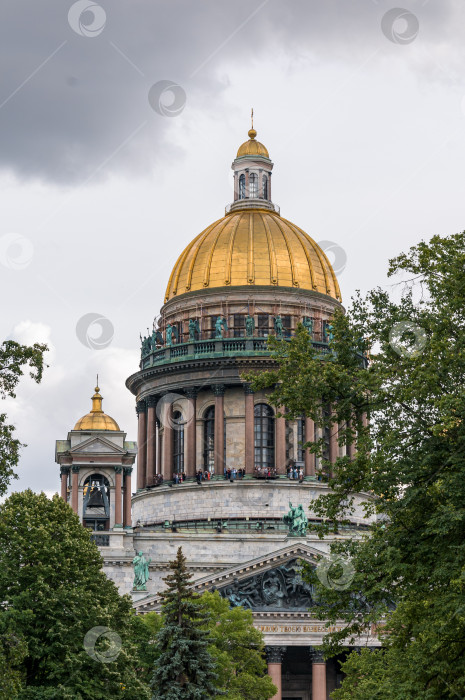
column 275, row 589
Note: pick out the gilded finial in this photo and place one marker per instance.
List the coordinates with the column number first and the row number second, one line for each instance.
column 96, row 386
column 252, row 132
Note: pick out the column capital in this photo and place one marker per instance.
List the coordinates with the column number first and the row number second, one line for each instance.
column 141, row 406
column 64, row 470
column 192, row 392
column 274, row 655
column 218, row 389
column 75, row 468
column 152, row 401
column 248, row 389
column 127, row 471
column 316, row 655
column 118, row 469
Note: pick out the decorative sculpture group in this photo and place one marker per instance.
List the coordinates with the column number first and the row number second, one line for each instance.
column 297, row 520
column 155, row 340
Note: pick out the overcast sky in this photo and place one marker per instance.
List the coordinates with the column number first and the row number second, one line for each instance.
column 106, row 173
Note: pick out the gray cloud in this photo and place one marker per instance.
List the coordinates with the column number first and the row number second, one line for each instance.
column 76, row 107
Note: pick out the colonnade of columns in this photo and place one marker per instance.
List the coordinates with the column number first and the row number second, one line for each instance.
column 121, row 493
column 274, row 657
column 155, row 446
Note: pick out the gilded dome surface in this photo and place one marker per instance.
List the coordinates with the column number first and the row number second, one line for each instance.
column 96, row 419
column 252, row 247
column 252, row 147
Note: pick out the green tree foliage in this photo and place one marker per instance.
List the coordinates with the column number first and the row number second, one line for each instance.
column 53, row 592
column 411, row 462
column 13, row 358
column 237, row 648
column 145, row 630
column 184, row 669
column 13, row 649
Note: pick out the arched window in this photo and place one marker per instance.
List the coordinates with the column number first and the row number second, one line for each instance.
column 209, row 440
column 265, row 187
column 253, row 185
column 178, row 442
column 96, row 506
column 264, row 435
column 242, row 186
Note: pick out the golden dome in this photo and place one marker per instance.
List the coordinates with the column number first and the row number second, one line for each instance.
column 252, row 147
column 252, row 247
column 96, row 419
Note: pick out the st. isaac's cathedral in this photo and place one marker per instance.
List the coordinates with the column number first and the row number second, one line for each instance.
column 219, row 471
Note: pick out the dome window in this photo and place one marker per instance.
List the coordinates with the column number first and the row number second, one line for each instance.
column 242, row 186
column 264, row 436
column 253, row 185
column 265, row 187
column 209, row 440
column 178, row 442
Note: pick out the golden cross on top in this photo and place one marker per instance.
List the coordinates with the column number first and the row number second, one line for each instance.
column 251, row 116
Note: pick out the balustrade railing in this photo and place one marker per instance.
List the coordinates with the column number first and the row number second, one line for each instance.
column 217, row 346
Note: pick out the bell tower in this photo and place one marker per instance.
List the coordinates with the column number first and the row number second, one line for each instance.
column 96, row 463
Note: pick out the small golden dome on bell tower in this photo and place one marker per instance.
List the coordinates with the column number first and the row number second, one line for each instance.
column 96, row 419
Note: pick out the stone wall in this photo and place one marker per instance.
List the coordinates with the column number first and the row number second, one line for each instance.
column 221, row 499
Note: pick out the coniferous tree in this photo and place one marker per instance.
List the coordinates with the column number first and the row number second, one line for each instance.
column 184, row 669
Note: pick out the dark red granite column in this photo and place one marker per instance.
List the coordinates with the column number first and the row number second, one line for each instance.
column 141, row 444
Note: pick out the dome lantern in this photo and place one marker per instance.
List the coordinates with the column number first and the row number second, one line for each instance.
column 252, row 176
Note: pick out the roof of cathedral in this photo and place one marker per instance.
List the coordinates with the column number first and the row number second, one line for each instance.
column 252, row 147
column 253, row 247
column 96, row 419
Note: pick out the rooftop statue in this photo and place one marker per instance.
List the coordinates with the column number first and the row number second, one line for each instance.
column 308, row 324
column 297, row 520
column 193, row 328
column 329, row 333
column 249, row 326
column 278, row 326
column 141, row 572
column 171, row 331
column 220, row 326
